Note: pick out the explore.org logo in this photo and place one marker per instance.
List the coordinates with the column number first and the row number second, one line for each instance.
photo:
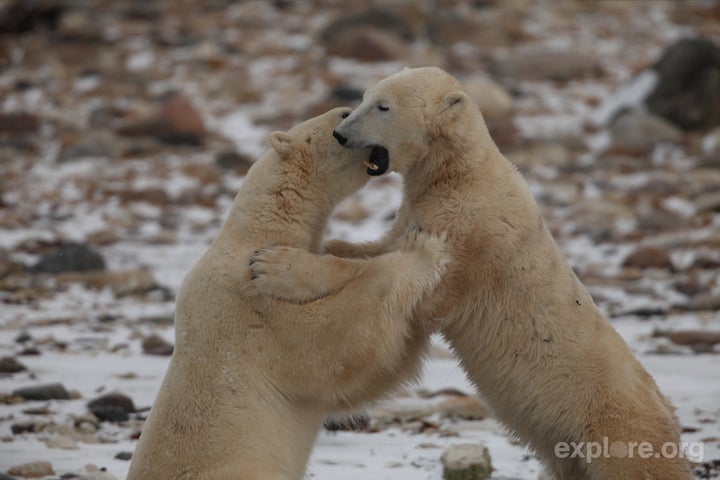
column 694, row 451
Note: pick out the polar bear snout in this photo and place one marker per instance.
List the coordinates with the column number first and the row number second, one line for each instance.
column 342, row 140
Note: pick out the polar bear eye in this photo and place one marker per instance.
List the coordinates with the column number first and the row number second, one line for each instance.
column 383, row 108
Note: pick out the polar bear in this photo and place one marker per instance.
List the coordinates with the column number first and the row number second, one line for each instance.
column 253, row 376
column 526, row 331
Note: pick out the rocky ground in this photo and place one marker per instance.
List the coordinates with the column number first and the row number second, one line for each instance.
column 126, row 129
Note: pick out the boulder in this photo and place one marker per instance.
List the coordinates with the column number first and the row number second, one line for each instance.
column 687, row 92
column 466, row 462
column 72, row 257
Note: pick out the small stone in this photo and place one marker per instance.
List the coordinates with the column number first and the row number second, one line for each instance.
column 649, row 257
column 61, row 442
column 707, row 202
column 124, row 456
column 11, row 365
column 703, row 302
column 18, row 124
column 32, row 470
column 25, row 427
column 50, row 391
column 469, row 408
column 368, row 44
column 122, row 283
column 232, row 160
column 635, row 131
column 176, row 122
column 70, row 258
column 466, row 462
column 156, row 345
column 92, row 144
column 700, row 340
column 23, row 337
column 112, row 407
column 93, row 472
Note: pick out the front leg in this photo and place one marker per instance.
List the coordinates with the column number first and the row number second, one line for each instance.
column 298, row 276
column 387, row 243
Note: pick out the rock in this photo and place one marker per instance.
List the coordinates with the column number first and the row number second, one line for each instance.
column 11, row 365
column 93, row 143
column 176, row 122
column 708, row 202
column 124, row 456
column 61, row 442
column 687, row 92
column 32, row 470
column 636, row 131
column 94, row 473
column 18, row 124
column 6, row 477
column 50, row 391
column 701, row 302
column 346, row 94
column 557, row 65
column 112, row 407
column 466, row 407
column 382, row 19
column 70, row 258
column 495, row 103
column 79, row 25
column 20, row 16
column 466, row 462
column 156, row 345
column 123, row 283
column 649, row 257
column 402, row 411
column 27, row 427
column 701, row 341
column 232, row 160
column 368, row 44
column 23, row 337
column 184, row 123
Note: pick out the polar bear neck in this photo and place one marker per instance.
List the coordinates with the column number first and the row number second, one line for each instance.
column 453, row 162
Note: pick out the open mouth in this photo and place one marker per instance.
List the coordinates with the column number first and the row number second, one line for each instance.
column 379, row 161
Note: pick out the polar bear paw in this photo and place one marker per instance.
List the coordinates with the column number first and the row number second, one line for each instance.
column 430, row 247
column 282, row 272
column 270, row 269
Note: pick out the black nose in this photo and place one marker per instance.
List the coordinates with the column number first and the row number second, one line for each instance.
column 341, row 140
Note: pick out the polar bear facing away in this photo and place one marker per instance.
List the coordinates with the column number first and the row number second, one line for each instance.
column 526, row 331
column 253, row 376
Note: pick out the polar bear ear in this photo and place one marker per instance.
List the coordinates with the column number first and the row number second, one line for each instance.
column 456, row 101
column 281, row 142
column 453, row 104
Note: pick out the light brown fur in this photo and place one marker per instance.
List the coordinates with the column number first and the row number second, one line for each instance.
column 253, row 376
column 523, row 326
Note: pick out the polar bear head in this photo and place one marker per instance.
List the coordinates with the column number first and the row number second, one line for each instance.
column 316, row 160
column 402, row 116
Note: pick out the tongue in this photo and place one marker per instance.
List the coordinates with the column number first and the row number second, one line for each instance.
column 379, row 161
